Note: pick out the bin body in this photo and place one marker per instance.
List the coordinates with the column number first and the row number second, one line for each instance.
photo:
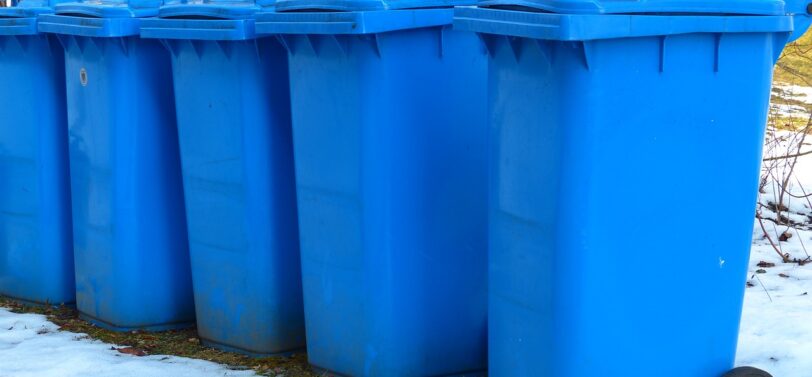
column 36, row 251
column 389, row 144
column 132, row 262
column 606, row 151
column 233, row 109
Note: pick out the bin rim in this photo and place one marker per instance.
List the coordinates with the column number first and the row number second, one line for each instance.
column 21, row 20
column 365, row 5
column 226, row 11
column 698, row 7
column 798, row 9
column 10, row 26
column 585, row 27
column 351, row 23
column 104, row 10
column 219, row 20
column 89, row 26
column 196, row 29
column 22, row 12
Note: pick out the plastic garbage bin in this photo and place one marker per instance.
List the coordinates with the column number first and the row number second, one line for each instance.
column 388, row 110
column 130, row 245
column 233, row 107
column 36, row 251
column 624, row 165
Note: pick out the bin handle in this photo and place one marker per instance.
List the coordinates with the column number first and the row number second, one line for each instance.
column 801, row 12
column 6, row 30
column 281, row 27
column 89, row 27
column 216, row 30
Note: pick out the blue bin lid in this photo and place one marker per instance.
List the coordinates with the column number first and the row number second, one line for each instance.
column 797, row 9
column 204, row 20
column 351, row 23
column 585, row 27
column 21, row 19
column 365, row 5
column 218, row 9
column 98, row 18
column 29, row 8
column 110, row 8
column 727, row 7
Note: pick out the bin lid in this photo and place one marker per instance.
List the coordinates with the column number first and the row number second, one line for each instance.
column 110, row 8
column 29, row 8
column 726, row 7
column 204, row 20
column 350, row 23
column 585, row 27
column 797, row 9
column 365, row 5
column 98, row 18
column 21, row 19
column 218, row 9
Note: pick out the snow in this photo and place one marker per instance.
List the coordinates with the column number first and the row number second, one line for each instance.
column 776, row 327
column 792, row 93
column 31, row 346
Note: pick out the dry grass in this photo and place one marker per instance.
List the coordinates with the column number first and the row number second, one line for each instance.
column 178, row 343
column 795, row 64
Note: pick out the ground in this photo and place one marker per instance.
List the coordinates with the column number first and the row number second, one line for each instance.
column 776, row 328
column 81, row 349
column 32, row 346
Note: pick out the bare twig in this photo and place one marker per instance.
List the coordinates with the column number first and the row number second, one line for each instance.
column 794, row 72
column 763, row 287
column 784, row 258
column 792, row 163
column 794, row 156
column 804, row 196
column 801, row 240
column 808, row 201
column 780, row 248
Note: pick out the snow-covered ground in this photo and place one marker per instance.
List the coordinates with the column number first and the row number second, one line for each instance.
column 776, row 329
column 30, row 346
column 790, row 94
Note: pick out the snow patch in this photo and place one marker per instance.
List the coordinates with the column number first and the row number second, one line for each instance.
column 31, row 346
column 776, row 327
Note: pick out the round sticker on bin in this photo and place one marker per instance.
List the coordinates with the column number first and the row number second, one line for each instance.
column 83, row 76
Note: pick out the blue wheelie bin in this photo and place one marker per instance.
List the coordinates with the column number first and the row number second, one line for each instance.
column 233, row 108
column 388, row 107
column 625, row 148
column 130, row 244
column 36, row 251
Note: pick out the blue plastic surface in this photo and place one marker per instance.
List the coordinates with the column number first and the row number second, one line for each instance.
column 800, row 17
column 567, row 27
column 762, row 7
column 29, row 8
column 364, row 5
column 200, row 30
column 89, row 26
column 11, row 25
column 602, row 153
column 110, row 8
column 389, row 142
column 340, row 23
column 130, row 240
column 795, row 8
column 233, row 107
column 36, row 251
column 216, row 9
